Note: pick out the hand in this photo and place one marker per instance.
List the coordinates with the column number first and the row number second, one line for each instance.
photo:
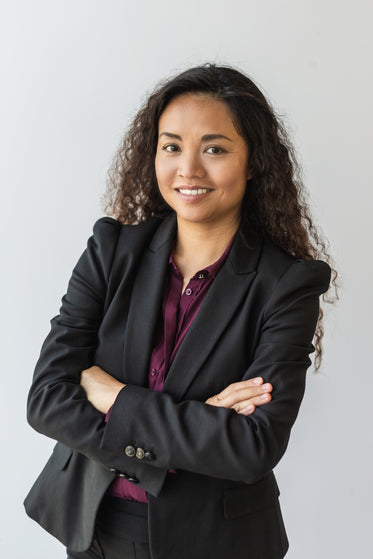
column 100, row 387
column 243, row 396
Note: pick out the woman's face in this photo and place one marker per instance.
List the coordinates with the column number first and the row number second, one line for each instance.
column 201, row 161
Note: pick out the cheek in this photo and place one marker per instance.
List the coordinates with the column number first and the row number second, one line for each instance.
column 164, row 178
column 233, row 177
column 163, row 169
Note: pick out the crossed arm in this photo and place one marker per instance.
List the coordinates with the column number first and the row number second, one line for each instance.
column 102, row 390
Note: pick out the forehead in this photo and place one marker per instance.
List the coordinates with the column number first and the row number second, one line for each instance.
column 197, row 112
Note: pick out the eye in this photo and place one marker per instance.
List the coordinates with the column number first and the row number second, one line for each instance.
column 214, row 150
column 171, row 148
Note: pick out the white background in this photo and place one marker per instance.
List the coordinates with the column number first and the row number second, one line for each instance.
column 72, row 75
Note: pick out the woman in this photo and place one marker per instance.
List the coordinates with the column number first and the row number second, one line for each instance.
column 175, row 370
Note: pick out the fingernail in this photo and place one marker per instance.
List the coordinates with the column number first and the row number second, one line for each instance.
column 264, row 396
column 257, row 380
column 249, row 409
column 265, row 386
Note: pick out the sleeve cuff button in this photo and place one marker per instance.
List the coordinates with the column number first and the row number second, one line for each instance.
column 140, row 453
column 130, row 451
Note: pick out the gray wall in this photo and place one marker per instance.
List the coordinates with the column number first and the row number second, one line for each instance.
column 73, row 74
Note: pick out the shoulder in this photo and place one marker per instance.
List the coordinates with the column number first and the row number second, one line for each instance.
column 277, row 267
column 111, row 232
column 108, row 228
column 111, row 241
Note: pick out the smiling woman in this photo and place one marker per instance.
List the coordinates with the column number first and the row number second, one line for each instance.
column 175, row 370
column 203, row 173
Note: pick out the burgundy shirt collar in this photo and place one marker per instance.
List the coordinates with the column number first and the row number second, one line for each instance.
column 213, row 268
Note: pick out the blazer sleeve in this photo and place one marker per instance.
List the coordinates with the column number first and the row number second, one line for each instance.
column 57, row 405
column 218, row 442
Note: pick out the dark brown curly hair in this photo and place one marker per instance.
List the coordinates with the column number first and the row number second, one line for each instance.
column 275, row 203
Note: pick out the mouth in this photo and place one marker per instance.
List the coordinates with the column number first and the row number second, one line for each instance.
column 193, row 190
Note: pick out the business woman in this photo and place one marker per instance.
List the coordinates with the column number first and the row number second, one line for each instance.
column 175, row 369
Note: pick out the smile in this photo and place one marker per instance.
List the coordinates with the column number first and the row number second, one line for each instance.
column 194, row 191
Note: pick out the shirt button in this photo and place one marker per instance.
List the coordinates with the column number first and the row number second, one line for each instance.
column 201, row 276
column 153, row 372
column 188, row 291
column 130, row 451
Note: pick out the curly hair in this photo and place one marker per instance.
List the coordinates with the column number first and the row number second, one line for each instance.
column 275, row 202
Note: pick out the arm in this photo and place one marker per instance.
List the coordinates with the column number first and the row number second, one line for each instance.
column 57, row 405
column 102, row 390
column 216, row 441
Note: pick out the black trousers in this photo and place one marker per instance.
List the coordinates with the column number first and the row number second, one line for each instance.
column 121, row 532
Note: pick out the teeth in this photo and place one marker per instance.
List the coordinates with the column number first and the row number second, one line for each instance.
column 194, row 192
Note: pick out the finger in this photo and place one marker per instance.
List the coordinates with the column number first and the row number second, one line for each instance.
column 237, row 386
column 257, row 401
column 247, row 411
column 233, row 396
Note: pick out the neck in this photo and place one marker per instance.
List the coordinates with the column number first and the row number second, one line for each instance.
column 200, row 245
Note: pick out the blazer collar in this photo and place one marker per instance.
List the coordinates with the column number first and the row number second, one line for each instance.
column 146, row 303
column 221, row 302
column 165, row 233
column 243, row 255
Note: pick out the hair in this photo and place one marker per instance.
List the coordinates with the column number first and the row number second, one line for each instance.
column 275, row 202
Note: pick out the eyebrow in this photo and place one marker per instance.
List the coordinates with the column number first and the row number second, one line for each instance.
column 205, row 138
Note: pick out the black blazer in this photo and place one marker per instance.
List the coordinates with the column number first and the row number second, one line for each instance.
column 258, row 319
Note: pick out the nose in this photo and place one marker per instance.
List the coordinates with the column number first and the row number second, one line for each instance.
column 191, row 166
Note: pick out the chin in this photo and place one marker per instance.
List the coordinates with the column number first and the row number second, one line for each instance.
column 194, row 217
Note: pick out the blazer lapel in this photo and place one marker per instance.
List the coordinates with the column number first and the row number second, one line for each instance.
column 146, row 302
column 221, row 302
